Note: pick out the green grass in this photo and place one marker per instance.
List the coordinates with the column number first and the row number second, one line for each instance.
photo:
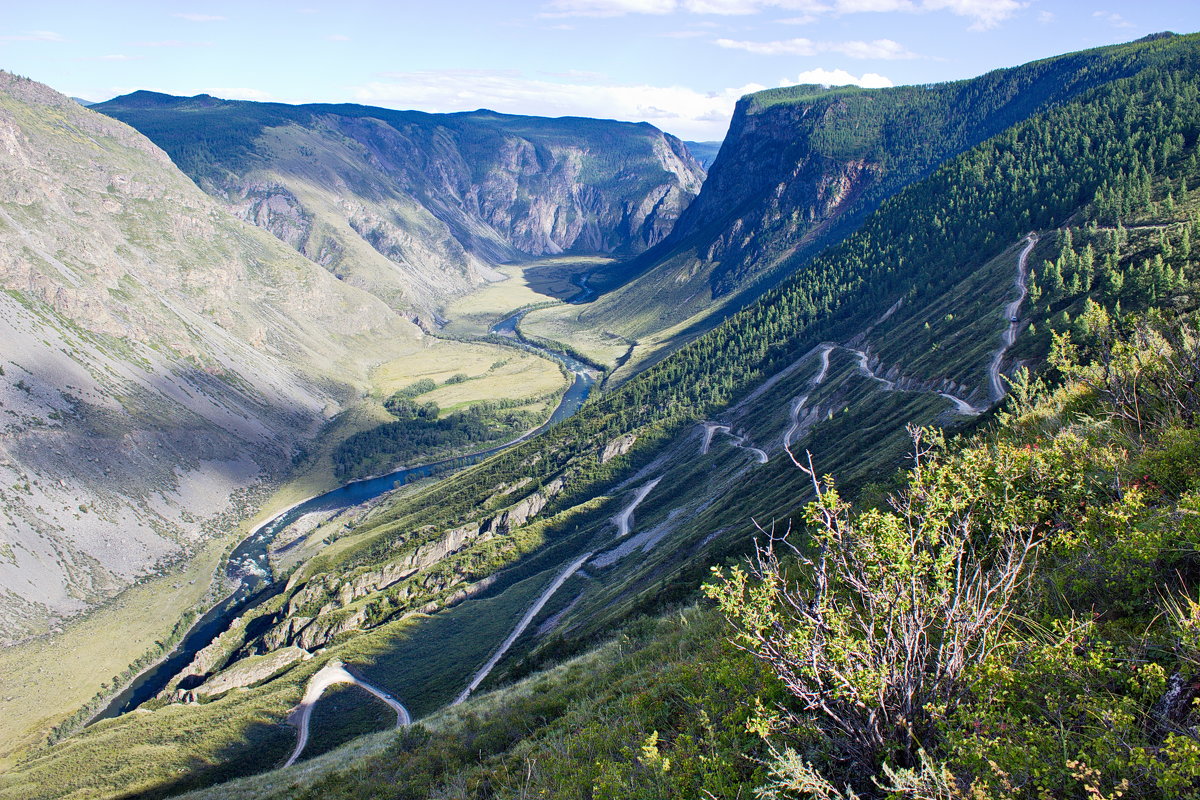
column 344, row 712
column 566, row 731
column 92, row 649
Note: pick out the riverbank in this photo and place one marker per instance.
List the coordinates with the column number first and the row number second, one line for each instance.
column 249, row 567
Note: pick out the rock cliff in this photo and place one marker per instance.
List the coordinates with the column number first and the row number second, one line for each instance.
column 413, row 207
column 800, row 168
column 158, row 357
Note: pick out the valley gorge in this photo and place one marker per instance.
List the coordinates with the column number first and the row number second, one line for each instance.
column 415, row 207
column 555, row 459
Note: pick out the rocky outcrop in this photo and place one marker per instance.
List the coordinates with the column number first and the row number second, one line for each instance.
column 414, row 206
column 618, row 447
column 800, row 168
column 249, row 672
column 329, row 604
column 153, row 369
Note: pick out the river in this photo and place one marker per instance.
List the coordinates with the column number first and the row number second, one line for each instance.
column 249, row 566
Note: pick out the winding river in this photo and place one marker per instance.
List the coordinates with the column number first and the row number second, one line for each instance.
column 249, row 566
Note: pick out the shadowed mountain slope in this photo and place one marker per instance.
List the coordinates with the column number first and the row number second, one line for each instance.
column 158, row 357
column 413, row 206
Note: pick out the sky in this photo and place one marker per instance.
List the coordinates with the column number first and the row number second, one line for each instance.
column 678, row 64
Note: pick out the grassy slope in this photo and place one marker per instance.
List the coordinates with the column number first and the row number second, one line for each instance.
column 534, row 282
column 92, row 649
column 1069, row 706
column 850, row 423
column 561, row 733
column 82, row 659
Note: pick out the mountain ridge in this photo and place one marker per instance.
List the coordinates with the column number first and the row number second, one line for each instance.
column 898, row 323
column 800, row 168
column 413, row 206
column 128, row 324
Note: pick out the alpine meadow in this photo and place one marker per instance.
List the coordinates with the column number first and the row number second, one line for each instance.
column 355, row 452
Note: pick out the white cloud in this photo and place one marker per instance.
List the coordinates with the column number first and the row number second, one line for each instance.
column 190, row 17
column 1045, row 17
column 677, row 109
column 113, row 57
column 608, row 8
column 985, row 13
column 34, row 36
column 171, row 43
column 807, row 19
column 239, row 94
column 877, row 49
column 839, row 77
column 1113, row 18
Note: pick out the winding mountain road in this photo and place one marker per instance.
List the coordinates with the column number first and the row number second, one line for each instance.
column 532, row 612
column 333, row 673
column 864, row 367
column 799, row 403
column 621, row 520
column 1010, row 313
column 739, row 442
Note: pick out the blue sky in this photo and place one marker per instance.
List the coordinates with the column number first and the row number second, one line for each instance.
column 680, row 64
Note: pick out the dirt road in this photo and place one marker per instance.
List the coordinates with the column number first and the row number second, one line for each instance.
column 333, row 673
column 1010, row 313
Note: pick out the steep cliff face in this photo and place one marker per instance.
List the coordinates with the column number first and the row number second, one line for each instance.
column 432, row 571
column 777, row 186
column 158, row 357
column 800, row 168
column 413, row 206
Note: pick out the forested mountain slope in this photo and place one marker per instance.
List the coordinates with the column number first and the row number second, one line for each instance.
column 158, row 357
column 1082, row 215
column 1018, row 618
column 800, row 168
column 413, row 206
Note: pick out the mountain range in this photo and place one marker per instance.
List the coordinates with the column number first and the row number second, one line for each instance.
column 972, row 303
column 415, row 207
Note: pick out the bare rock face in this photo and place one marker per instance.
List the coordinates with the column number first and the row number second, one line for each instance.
column 414, row 207
column 617, row 447
column 250, row 672
column 328, row 604
column 801, row 167
column 157, row 357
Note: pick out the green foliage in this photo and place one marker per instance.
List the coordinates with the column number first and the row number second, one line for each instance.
column 414, row 389
column 345, row 711
column 1099, row 470
column 661, row 711
column 1080, row 685
column 932, row 234
column 419, row 434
